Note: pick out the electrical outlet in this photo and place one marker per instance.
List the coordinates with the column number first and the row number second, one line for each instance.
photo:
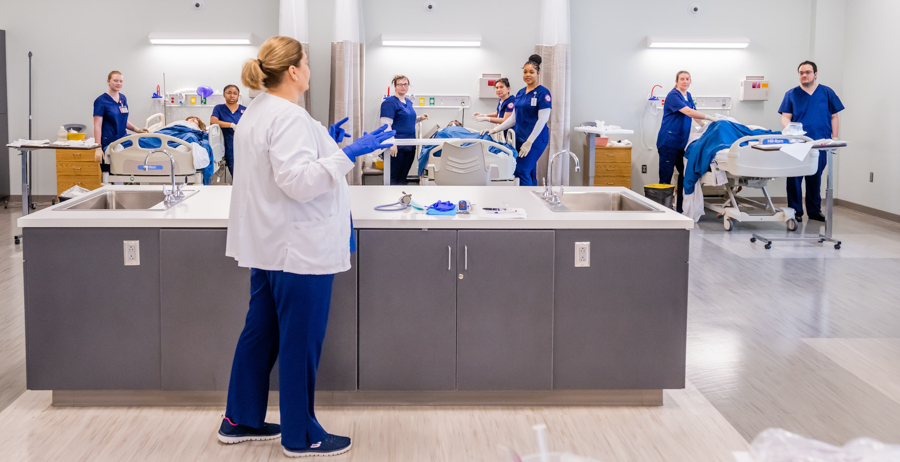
column 643, row 169
column 582, row 254
column 132, row 253
column 871, row 177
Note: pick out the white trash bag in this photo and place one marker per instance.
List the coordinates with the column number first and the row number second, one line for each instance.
column 777, row 445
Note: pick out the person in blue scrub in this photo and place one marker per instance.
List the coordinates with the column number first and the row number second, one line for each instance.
column 679, row 109
column 532, row 112
column 227, row 116
column 111, row 115
column 816, row 107
column 505, row 107
column 398, row 113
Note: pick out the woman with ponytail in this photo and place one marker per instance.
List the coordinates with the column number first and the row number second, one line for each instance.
column 290, row 224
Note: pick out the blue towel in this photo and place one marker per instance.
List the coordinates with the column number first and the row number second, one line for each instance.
column 187, row 134
column 699, row 154
column 457, row 132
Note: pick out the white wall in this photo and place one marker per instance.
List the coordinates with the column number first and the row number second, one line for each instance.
column 509, row 31
column 612, row 69
column 76, row 44
column 871, row 120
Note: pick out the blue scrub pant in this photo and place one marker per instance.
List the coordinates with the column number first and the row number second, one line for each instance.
column 286, row 321
column 526, row 167
column 671, row 159
column 813, row 190
column 401, row 164
column 229, row 161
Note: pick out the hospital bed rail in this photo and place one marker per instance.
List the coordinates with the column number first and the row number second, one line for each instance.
column 127, row 163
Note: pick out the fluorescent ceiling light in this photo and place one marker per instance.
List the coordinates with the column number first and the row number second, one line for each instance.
column 697, row 42
column 403, row 40
column 199, row 38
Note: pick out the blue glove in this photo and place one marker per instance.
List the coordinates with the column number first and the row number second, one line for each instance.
column 369, row 142
column 337, row 133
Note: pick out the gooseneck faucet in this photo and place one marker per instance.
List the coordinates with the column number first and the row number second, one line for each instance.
column 549, row 195
column 176, row 194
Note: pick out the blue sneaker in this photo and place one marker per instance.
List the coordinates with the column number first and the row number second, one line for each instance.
column 231, row 433
column 332, row 445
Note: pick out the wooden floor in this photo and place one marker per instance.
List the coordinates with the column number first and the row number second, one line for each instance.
column 802, row 337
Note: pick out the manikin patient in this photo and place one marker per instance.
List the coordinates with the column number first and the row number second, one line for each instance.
column 196, row 121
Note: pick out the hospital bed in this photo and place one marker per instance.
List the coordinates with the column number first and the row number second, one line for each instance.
column 127, row 163
column 499, row 168
column 749, row 163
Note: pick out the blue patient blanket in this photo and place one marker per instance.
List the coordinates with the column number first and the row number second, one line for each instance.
column 187, row 134
column 457, row 132
column 699, row 154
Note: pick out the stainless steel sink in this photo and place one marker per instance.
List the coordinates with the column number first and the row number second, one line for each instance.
column 120, row 200
column 597, row 201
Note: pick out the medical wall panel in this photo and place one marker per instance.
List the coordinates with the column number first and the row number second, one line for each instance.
column 505, row 309
column 407, row 309
column 621, row 323
column 91, row 323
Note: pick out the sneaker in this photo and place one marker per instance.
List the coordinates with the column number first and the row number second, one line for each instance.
column 231, row 433
column 819, row 217
column 799, row 218
column 332, row 445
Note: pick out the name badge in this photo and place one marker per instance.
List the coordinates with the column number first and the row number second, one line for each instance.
column 534, row 101
column 123, row 109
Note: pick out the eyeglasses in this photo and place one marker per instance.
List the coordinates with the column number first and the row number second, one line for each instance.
column 402, row 85
column 806, row 72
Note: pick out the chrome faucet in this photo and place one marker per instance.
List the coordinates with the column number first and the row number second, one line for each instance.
column 549, row 195
column 176, row 195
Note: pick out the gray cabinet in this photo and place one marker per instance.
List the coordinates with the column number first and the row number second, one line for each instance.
column 204, row 301
column 91, row 323
column 505, row 310
column 407, row 310
column 622, row 322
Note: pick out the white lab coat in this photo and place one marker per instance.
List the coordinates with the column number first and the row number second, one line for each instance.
column 290, row 203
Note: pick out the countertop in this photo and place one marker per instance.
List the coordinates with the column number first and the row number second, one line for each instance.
column 208, row 208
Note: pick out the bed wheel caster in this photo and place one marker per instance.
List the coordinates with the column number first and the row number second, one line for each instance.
column 729, row 224
column 768, row 246
column 16, row 240
column 792, row 225
column 33, row 206
column 752, row 239
column 837, row 246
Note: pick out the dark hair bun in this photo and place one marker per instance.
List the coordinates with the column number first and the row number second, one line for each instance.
column 535, row 58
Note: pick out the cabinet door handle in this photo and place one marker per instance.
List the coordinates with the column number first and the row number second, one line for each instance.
column 466, row 267
column 449, row 254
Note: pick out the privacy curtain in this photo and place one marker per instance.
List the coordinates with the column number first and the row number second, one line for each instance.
column 553, row 47
column 293, row 21
column 347, row 69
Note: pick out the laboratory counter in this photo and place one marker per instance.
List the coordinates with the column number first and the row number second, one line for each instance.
column 574, row 308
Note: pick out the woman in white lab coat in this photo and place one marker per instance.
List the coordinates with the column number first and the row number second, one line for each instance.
column 290, row 223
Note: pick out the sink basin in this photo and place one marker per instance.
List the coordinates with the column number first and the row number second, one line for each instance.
column 121, row 200
column 598, row 201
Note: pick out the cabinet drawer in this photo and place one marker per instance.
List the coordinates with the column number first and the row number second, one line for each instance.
column 615, row 169
column 75, row 156
column 624, row 182
column 77, row 168
column 617, row 154
column 65, row 182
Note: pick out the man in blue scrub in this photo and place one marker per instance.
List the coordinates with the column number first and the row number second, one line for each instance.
column 227, row 116
column 816, row 107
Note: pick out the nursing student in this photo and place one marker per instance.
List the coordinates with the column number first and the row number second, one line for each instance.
column 674, row 132
column 532, row 112
column 505, row 107
column 816, row 107
column 111, row 115
column 398, row 114
column 290, row 223
column 227, row 117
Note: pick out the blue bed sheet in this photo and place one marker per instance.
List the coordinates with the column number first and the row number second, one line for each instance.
column 699, row 154
column 187, row 134
column 457, row 132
